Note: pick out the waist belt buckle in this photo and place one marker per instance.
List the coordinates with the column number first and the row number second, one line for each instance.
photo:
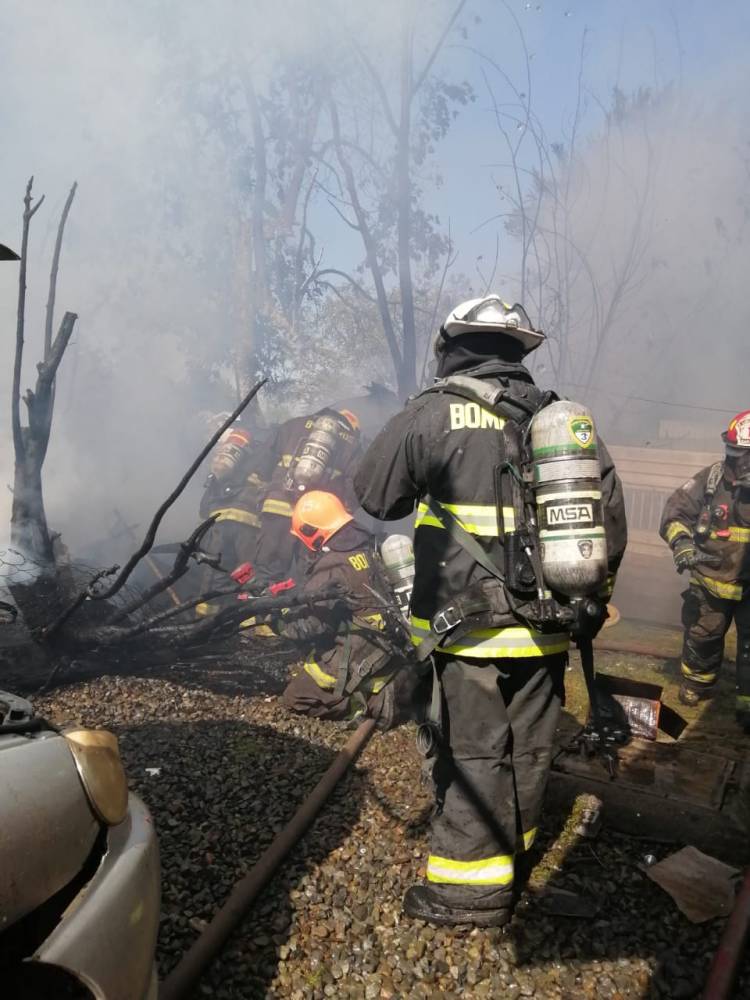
column 445, row 620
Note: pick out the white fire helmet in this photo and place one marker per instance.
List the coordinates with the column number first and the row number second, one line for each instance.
column 492, row 315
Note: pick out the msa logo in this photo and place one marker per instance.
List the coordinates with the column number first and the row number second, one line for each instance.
column 569, row 513
column 472, row 415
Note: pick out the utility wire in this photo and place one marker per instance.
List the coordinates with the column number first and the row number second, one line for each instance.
column 660, row 402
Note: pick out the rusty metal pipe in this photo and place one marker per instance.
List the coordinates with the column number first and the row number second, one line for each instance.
column 184, row 977
column 728, row 955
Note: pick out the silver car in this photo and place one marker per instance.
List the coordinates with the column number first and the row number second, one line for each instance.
column 79, row 865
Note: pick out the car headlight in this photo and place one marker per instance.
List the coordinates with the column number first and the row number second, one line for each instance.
column 97, row 758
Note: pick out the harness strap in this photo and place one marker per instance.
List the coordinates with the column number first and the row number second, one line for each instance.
column 459, row 534
column 496, row 398
column 714, row 478
column 343, row 672
column 366, row 667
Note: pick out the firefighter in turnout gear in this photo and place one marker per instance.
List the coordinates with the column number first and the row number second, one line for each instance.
column 706, row 523
column 350, row 658
column 499, row 684
column 319, row 451
column 233, row 493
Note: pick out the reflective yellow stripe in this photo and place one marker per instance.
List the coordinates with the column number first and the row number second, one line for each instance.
column 321, row 678
column 236, row 514
column 277, row 507
column 285, row 461
column 488, row 871
column 204, row 609
column 742, row 700
column 514, row 641
column 420, row 629
column 477, row 519
column 377, row 685
column 675, row 529
column 698, row 676
column 729, row 591
column 734, row 535
column 528, row 838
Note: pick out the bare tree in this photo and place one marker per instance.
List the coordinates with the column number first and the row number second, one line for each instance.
column 29, row 529
column 377, row 190
column 574, row 284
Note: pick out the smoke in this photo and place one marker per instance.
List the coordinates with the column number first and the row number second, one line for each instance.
column 660, row 214
column 143, row 105
column 123, row 99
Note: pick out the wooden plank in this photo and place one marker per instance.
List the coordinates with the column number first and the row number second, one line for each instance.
column 665, row 770
column 664, row 456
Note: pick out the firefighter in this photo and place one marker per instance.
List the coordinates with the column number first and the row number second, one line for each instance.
column 498, row 690
column 316, row 451
column 706, row 523
column 351, row 656
column 233, row 493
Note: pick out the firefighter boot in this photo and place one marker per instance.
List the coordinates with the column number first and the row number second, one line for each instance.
column 402, row 700
column 691, row 695
column 742, row 703
column 422, row 902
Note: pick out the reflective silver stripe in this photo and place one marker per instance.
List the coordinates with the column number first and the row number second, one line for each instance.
column 546, row 472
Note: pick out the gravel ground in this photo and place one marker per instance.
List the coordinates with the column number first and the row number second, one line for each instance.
column 232, row 769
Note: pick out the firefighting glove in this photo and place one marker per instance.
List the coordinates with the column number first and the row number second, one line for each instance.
column 687, row 556
column 684, row 553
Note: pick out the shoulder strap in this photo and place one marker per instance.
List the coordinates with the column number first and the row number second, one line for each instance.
column 494, row 397
column 459, row 534
column 714, row 478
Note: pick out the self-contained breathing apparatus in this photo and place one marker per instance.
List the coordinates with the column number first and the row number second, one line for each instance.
column 313, row 462
column 550, row 520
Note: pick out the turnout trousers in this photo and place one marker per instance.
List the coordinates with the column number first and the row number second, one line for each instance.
column 706, row 619
column 499, row 721
column 275, row 552
column 304, row 696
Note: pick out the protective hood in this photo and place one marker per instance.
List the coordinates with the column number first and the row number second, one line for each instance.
column 466, row 358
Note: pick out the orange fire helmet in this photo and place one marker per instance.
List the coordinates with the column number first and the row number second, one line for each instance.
column 316, row 517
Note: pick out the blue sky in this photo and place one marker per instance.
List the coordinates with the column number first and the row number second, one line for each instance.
column 629, row 43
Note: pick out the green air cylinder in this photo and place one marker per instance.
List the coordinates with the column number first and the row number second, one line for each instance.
column 568, row 492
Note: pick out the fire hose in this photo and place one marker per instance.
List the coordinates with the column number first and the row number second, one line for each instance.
column 726, row 960
column 183, row 978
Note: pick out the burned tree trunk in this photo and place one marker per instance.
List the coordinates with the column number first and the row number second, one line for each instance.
column 43, row 588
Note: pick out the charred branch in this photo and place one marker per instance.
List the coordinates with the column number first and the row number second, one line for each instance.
column 186, row 551
column 148, row 541
column 85, row 595
column 28, row 214
column 50, row 318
